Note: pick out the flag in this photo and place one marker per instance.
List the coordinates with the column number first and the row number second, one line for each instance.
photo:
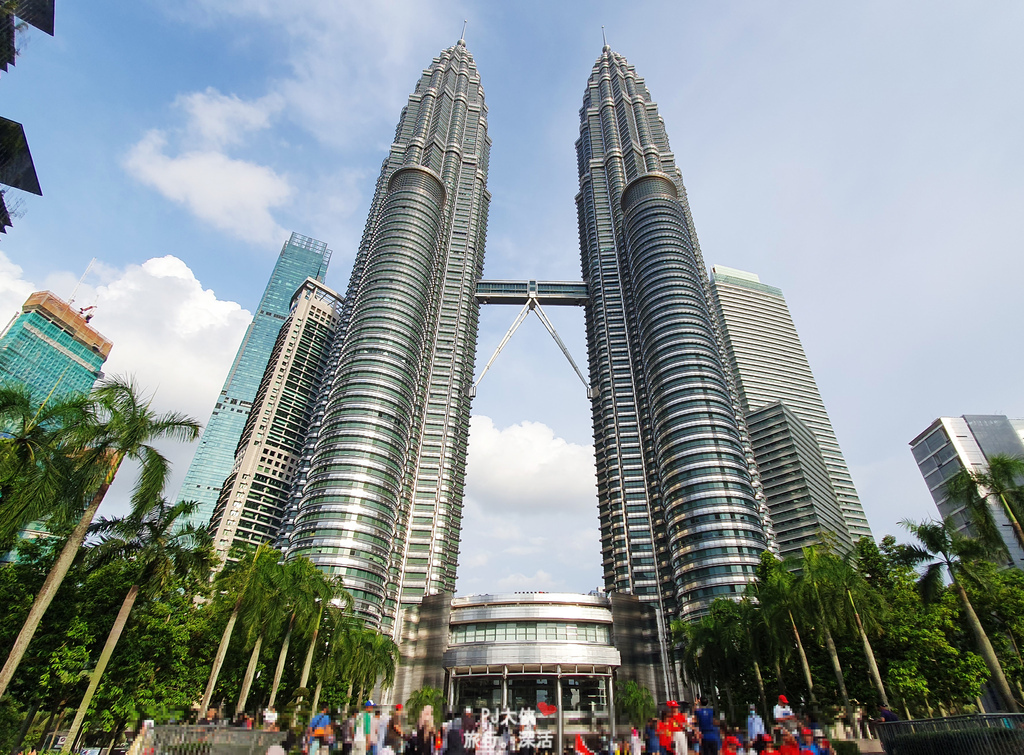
column 581, row 749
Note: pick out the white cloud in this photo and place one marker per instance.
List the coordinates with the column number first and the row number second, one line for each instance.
column 174, row 337
column 233, row 195
column 352, row 64
column 526, row 467
column 539, row 581
column 530, row 511
column 13, row 289
column 217, row 120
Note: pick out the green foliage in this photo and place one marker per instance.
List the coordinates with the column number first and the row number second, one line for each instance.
column 635, row 702
column 420, row 699
column 10, row 722
column 845, row 747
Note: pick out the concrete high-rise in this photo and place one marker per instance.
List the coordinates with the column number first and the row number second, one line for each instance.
column 796, row 481
column 382, row 502
column 255, row 495
column 950, row 444
column 680, row 521
column 769, row 365
column 50, row 347
column 300, row 258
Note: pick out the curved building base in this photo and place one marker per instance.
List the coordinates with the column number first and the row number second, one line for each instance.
column 557, row 654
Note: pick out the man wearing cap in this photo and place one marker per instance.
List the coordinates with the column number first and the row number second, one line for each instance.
column 807, row 744
column 783, row 714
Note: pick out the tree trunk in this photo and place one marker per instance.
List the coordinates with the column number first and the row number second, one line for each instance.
column 833, row 655
column 780, row 682
column 279, row 671
column 250, row 672
column 1013, row 520
column 869, row 654
column 53, row 580
column 46, row 728
column 987, row 652
column 316, row 695
column 218, row 660
column 101, row 664
column 803, row 660
column 304, row 680
column 760, row 690
column 30, row 716
column 906, row 710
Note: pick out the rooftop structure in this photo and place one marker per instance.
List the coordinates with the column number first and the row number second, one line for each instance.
column 51, row 348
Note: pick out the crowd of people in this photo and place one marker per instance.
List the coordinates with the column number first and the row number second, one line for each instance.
column 681, row 731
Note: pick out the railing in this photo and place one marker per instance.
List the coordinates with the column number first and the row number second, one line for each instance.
column 994, row 734
column 204, row 740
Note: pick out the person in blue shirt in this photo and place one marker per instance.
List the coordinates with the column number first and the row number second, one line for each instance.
column 710, row 739
column 651, row 737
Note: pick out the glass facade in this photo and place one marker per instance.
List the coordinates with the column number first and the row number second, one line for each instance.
column 382, row 501
column 300, row 258
column 675, row 490
column 532, row 631
column 951, row 444
column 769, row 364
column 50, row 347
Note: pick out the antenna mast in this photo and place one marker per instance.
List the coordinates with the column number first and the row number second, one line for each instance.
column 603, row 37
column 80, row 281
column 464, row 24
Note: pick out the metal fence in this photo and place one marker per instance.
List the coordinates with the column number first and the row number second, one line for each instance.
column 205, row 740
column 995, row 734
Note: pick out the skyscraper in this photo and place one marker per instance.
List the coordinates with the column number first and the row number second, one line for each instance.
column 51, row 347
column 950, row 444
column 769, row 365
column 382, row 502
column 256, row 493
column 300, row 258
column 795, row 479
column 680, row 522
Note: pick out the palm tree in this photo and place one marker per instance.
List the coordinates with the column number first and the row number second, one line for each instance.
column 1002, row 481
column 245, row 582
column 164, row 555
column 945, row 551
column 119, row 425
column 304, row 588
column 36, row 451
column 261, row 616
column 776, row 593
column 858, row 592
column 817, row 587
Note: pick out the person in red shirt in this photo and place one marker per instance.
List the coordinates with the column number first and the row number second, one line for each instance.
column 665, row 731
column 789, row 744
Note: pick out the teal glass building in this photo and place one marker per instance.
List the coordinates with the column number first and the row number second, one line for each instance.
column 51, row 348
column 300, row 258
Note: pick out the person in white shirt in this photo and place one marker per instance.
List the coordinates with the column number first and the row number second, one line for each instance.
column 783, row 715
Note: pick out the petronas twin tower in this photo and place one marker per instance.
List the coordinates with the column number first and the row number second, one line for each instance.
column 682, row 519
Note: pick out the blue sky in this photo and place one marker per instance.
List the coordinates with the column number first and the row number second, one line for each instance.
column 865, row 158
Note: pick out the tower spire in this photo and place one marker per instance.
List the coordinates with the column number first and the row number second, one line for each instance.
column 463, row 37
column 604, row 39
